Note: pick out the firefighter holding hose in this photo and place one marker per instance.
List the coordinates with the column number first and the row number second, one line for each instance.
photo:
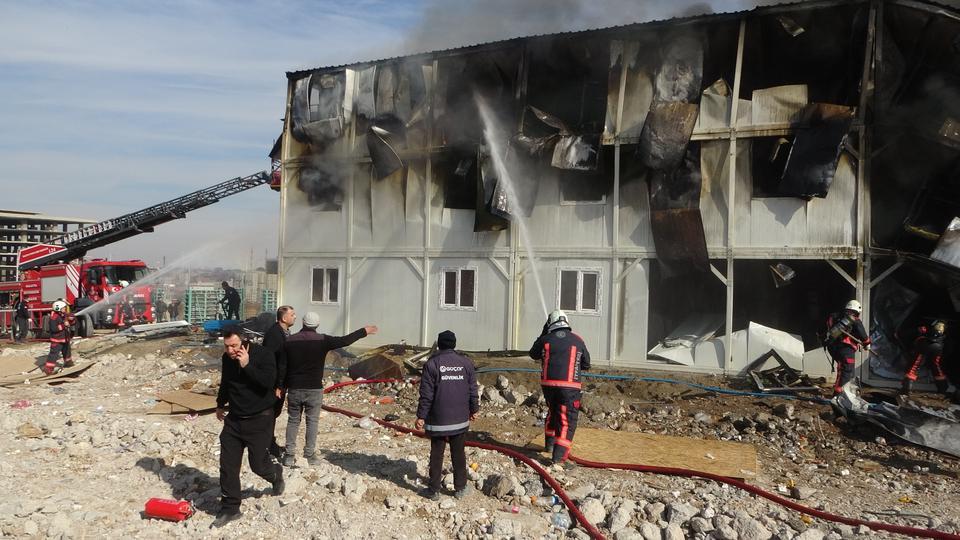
column 845, row 336
column 563, row 355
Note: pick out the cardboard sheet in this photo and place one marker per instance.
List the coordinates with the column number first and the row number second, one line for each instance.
column 184, row 401
column 15, row 370
column 736, row 460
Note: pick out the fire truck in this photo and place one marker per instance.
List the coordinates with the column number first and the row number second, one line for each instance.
column 97, row 281
column 100, row 292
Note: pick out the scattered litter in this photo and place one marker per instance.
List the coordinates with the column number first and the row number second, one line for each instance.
column 167, row 509
column 20, row 404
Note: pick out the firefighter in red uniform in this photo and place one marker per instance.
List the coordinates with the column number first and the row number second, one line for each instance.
column 563, row 354
column 928, row 346
column 58, row 326
column 845, row 336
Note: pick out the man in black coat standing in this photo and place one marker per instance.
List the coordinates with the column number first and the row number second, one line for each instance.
column 449, row 400
column 22, row 318
column 273, row 341
column 248, row 374
column 306, row 353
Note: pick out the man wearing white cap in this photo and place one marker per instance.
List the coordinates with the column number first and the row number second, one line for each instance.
column 306, row 353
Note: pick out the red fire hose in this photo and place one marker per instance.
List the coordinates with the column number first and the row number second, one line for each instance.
column 671, row 471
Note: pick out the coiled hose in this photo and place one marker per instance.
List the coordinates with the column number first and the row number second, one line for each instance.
column 671, row 471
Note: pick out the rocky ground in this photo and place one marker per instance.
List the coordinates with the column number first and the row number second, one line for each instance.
column 79, row 460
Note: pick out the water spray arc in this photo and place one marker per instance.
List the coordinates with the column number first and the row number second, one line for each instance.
column 498, row 148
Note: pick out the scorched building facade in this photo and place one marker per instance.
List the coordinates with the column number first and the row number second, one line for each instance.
column 663, row 183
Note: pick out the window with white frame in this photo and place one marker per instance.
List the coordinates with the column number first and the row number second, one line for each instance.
column 458, row 288
column 325, row 285
column 579, row 290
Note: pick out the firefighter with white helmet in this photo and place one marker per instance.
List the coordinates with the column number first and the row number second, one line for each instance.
column 845, row 336
column 563, row 355
column 927, row 348
column 58, row 327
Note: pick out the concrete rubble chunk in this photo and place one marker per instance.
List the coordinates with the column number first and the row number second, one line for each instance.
column 673, row 532
column 497, row 486
column 748, row 528
column 680, row 512
column 811, row 534
column 649, row 531
column 593, row 510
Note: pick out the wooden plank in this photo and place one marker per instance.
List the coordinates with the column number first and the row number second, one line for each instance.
column 736, row 460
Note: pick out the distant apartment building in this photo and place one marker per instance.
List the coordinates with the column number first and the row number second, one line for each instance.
column 23, row 229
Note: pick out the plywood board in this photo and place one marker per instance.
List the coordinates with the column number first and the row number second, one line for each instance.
column 736, row 460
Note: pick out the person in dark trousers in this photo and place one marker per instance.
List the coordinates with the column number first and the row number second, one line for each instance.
column 22, row 319
column 562, row 355
column 231, row 299
column 58, row 327
column 161, row 310
column 449, row 400
column 845, row 336
column 245, row 406
column 273, row 341
column 927, row 347
column 172, row 308
column 306, row 353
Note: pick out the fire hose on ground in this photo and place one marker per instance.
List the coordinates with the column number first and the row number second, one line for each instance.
column 671, row 471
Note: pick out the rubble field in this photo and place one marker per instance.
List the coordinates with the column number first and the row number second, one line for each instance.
column 81, row 458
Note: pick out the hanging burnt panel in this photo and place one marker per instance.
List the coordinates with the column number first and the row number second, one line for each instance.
column 675, row 219
column 317, row 109
column 493, row 208
column 819, row 47
column 492, row 74
column 818, row 141
column 384, row 136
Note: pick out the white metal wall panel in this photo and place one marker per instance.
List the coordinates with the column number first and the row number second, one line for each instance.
column 309, row 229
column 594, row 329
column 773, row 221
column 479, row 329
column 553, row 224
column 634, row 307
column 635, row 215
column 452, row 229
column 387, row 293
column 297, row 279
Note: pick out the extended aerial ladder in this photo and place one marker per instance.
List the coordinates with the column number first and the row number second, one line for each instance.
column 77, row 243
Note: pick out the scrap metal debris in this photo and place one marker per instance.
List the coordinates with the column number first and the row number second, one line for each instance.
column 780, row 378
column 936, row 429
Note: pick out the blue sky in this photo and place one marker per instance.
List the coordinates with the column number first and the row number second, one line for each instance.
column 107, row 107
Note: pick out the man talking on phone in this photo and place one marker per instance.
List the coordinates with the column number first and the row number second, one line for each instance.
column 245, row 406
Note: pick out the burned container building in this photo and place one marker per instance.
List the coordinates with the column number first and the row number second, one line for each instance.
column 692, row 192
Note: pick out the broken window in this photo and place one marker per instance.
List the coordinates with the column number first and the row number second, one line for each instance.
column 768, row 156
column 819, row 47
column 458, row 175
column 325, row 285
column 578, row 187
column 317, row 111
column 579, row 290
column 458, row 288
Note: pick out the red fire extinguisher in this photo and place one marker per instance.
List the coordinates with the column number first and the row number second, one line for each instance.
column 168, row 509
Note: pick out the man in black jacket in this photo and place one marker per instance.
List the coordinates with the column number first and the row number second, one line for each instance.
column 248, row 374
column 231, row 299
column 449, row 400
column 273, row 341
column 22, row 318
column 306, row 353
column 563, row 354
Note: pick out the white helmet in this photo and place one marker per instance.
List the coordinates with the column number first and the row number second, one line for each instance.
column 854, row 306
column 59, row 306
column 557, row 319
column 124, row 284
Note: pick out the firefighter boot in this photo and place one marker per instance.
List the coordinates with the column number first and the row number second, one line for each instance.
column 942, row 385
column 905, row 387
column 69, row 363
column 50, row 368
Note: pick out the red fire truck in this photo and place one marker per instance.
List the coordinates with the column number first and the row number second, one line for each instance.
column 48, row 273
column 97, row 281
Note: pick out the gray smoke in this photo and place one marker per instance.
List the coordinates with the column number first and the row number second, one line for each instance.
column 457, row 23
